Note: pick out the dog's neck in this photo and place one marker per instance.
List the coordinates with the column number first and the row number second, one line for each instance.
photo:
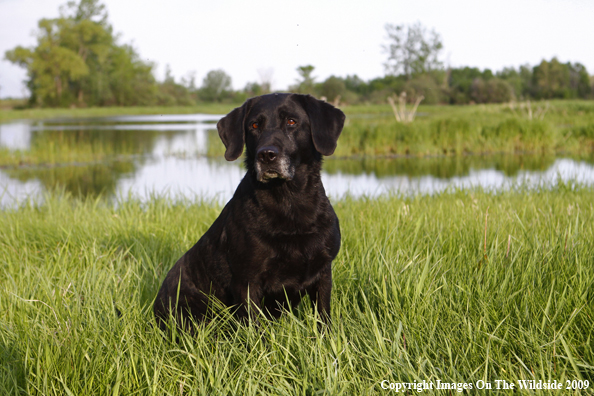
column 283, row 201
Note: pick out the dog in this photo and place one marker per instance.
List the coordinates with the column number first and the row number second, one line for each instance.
column 275, row 240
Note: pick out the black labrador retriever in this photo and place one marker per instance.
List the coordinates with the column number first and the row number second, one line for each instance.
column 276, row 238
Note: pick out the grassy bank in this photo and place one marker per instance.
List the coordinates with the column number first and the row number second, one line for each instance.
column 558, row 126
column 418, row 295
column 566, row 127
column 47, row 113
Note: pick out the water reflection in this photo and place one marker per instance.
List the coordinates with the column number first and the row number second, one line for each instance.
column 80, row 181
column 439, row 167
column 157, row 154
column 368, row 184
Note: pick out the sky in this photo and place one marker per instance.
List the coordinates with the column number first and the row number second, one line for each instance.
column 252, row 38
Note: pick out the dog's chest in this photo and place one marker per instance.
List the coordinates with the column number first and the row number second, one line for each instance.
column 294, row 263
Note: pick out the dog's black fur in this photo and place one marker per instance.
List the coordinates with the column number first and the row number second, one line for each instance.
column 276, row 238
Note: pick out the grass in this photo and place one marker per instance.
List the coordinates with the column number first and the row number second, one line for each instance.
column 90, row 112
column 567, row 126
column 460, row 287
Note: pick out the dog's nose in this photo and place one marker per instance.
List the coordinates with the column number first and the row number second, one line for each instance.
column 267, row 154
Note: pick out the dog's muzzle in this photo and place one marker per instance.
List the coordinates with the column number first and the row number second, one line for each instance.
column 270, row 164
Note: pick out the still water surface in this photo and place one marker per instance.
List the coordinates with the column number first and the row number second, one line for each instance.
column 145, row 155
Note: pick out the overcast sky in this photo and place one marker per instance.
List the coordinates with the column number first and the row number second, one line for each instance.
column 337, row 37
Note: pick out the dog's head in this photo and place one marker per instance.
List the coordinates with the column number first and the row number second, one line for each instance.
column 280, row 131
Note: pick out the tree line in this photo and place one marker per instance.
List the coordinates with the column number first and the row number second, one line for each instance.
column 413, row 66
column 466, row 85
column 79, row 62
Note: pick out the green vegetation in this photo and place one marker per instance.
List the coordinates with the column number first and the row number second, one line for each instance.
column 565, row 127
column 547, row 128
column 460, row 287
column 77, row 61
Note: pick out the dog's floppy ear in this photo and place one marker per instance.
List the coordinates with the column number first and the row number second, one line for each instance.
column 231, row 132
column 326, row 122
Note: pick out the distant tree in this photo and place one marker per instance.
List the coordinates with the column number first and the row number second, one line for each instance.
column 492, row 90
column 77, row 62
column 355, row 84
column 551, row 80
column 519, row 80
column 460, row 81
column 189, row 81
column 84, row 29
column 51, row 67
column 469, row 84
column 412, row 50
column 306, row 82
column 215, row 86
column 265, row 79
column 253, row 89
column 332, row 88
column 424, row 85
column 170, row 93
column 129, row 81
column 579, row 80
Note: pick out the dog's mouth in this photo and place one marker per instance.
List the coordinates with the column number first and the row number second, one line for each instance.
column 269, row 174
column 282, row 170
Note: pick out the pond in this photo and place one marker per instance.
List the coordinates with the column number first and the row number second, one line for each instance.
column 169, row 154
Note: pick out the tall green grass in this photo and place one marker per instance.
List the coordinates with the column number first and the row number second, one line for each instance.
column 485, row 129
column 418, row 295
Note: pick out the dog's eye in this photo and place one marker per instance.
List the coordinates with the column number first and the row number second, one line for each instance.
column 291, row 122
column 255, row 125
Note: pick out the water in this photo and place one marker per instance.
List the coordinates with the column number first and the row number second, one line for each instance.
column 144, row 155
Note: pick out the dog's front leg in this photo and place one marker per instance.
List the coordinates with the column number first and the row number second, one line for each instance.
column 320, row 292
column 248, row 300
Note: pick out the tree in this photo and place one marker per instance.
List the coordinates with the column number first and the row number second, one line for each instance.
column 78, row 62
column 551, row 80
column 579, row 80
column 305, row 85
column 412, row 50
column 50, row 66
column 493, row 90
column 265, row 78
column 355, row 84
column 460, row 82
column 215, row 86
column 253, row 89
column 519, row 80
column 170, row 93
column 127, row 81
column 84, row 29
column 332, row 88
